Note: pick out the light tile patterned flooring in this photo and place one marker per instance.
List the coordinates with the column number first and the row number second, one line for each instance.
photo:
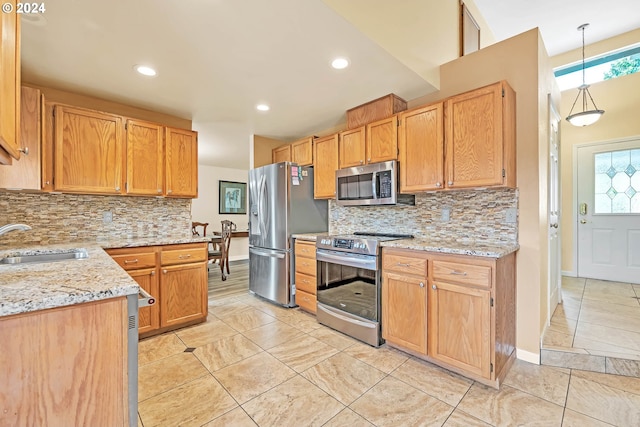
column 254, row 363
column 599, row 320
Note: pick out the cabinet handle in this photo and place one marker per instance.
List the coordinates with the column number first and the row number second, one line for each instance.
column 421, row 285
column 184, row 256
column 133, row 261
column 434, row 287
column 458, row 273
column 399, row 264
column 450, row 183
column 164, row 271
column 24, row 150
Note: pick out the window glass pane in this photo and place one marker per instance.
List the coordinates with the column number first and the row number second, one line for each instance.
column 617, row 182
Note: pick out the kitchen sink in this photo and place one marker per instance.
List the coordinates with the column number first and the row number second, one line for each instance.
column 63, row 255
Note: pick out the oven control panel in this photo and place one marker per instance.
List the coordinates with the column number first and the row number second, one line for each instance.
column 342, row 243
column 345, row 244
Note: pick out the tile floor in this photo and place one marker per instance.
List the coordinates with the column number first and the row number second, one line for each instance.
column 253, row 363
column 598, row 323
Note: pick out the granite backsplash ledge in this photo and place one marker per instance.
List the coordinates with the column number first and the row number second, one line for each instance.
column 62, row 218
column 475, row 216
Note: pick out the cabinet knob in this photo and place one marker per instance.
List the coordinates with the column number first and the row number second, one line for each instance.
column 159, row 190
column 24, row 150
column 153, row 272
column 368, row 160
column 169, row 191
column 47, row 182
column 117, row 188
column 164, row 271
column 434, row 287
column 438, row 184
column 450, row 183
column 421, row 285
column 361, row 161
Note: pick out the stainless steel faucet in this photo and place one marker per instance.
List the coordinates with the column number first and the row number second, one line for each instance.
column 11, row 227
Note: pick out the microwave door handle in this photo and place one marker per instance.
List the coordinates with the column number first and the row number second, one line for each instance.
column 374, row 185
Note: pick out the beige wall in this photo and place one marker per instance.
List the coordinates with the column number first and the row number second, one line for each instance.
column 522, row 61
column 99, row 104
column 262, row 147
column 620, row 99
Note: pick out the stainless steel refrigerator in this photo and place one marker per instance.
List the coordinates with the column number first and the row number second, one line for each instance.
column 280, row 204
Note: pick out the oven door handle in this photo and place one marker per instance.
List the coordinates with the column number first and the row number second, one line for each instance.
column 369, row 263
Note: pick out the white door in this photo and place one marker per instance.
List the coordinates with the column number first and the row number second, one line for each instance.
column 555, row 279
column 609, row 211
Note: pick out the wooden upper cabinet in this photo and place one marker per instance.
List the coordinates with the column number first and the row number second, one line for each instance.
column 24, row 174
column 382, row 140
column 325, row 164
column 421, row 149
column 145, row 166
column 352, row 148
column 48, row 136
column 480, row 137
column 181, row 163
column 10, row 86
column 282, row 154
column 302, row 152
column 88, row 151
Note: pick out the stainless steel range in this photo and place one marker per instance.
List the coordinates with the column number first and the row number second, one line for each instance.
column 349, row 276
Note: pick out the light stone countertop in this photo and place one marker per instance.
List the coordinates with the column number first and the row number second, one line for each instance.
column 447, row 247
column 38, row 286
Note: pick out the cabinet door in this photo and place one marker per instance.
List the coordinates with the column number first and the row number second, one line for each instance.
column 325, row 164
column 352, row 148
column 474, row 138
column 183, row 294
column 10, row 84
column 148, row 317
column 459, row 327
column 88, row 151
column 181, row 167
column 302, row 152
column 25, row 173
column 404, row 311
column 281, row 154
column 48, row 136
column 421, row 149
column 382, row 140
column 145, row 168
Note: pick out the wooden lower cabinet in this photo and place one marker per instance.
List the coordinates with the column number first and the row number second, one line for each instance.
column 456, row 311
column 176, row 275
column 66, row 366
column 306, row 275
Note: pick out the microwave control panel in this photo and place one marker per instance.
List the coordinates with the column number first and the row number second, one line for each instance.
column 385, row 184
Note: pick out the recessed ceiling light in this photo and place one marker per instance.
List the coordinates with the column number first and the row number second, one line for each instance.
column 145, row 70
column 262, row 107
column 340, row 63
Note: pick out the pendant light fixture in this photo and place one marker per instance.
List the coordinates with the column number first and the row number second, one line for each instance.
column 585, row 117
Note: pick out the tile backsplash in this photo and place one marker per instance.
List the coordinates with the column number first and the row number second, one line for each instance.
column 61, row 218
column 474, row 216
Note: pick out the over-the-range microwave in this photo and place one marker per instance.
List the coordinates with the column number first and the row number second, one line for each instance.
column 374, row 184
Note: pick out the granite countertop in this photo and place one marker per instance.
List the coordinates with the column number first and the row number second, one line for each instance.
column 447, row 247
column 454, row 247
column 38, row 286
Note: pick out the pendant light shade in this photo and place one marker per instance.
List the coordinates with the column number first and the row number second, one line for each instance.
column 587, row 116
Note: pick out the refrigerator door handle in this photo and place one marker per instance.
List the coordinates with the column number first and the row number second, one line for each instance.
column 261, row 206
column 258, row 252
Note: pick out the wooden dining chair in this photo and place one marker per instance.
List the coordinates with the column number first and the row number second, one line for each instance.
column 225, row 243
column 195, row 228
column 214, row 248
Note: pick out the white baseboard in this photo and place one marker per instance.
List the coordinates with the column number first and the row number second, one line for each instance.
column 570, row 273
column 238, row 257
column 527, row 356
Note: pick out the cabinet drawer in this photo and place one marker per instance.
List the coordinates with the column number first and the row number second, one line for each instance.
column 476, row 275
column 305, row 249
column 136, row 261
column 182, row 256
column 306, row 266
column 404, row 264
column 306, row 301
column 306, row 283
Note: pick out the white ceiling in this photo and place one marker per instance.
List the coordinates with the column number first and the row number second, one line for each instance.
column 217, row 59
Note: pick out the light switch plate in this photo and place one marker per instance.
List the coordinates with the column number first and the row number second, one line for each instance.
column 446, row 214
column 511, row 215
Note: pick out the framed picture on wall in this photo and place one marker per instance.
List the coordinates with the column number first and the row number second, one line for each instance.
column 233, row 197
